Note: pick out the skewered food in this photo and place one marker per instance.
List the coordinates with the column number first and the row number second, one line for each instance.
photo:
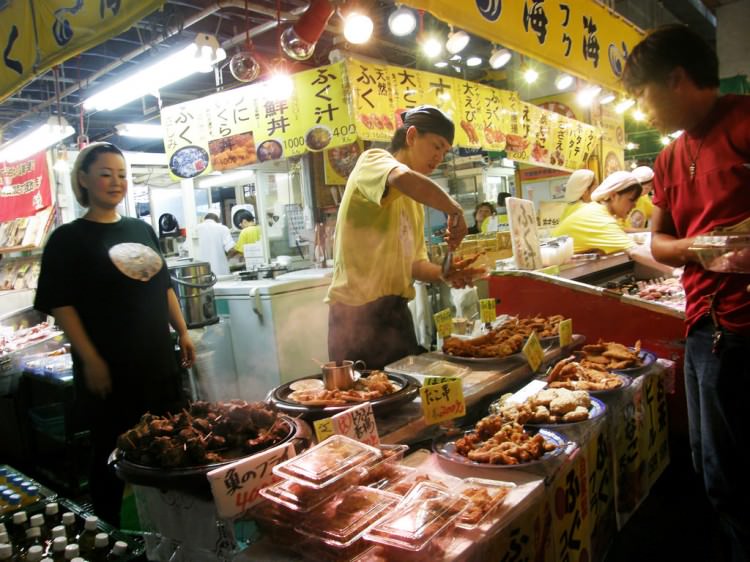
column 510, row 445
column 574, row 376
column 608, row 356
column 367, row 388
column 204, row 433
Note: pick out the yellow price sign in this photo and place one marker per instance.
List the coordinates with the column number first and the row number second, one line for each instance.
column 323, row 429
column 533, row 352
column 566, row 332
column 443, row 322
column 487, row 310
column 442, row 401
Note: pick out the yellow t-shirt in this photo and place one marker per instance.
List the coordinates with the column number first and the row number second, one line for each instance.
column 593, row 228
column 495, row 223
column 571, row 208
column 379, row 235
column 641, row 213
column 248, row 235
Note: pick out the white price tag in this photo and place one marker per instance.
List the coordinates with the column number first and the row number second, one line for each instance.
column 235, row 486
column 526, row 392
column 358, row 423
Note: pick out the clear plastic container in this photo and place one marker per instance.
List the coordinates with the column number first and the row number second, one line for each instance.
column 384, row 469
column 485, row 497
column 327, row 462
column 420, row 366
column 424, row 513
column 344, row 518
column 301, row 498
column 725, row 254
column 405, row 485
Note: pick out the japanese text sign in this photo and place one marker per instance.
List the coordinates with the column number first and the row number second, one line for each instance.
column 487, row 310
column 442, row 399
column 443, row 322
column 235, row 487
column 26, row 187
column 524, row 237
column 358, row 422
column 533, row 352
column 566, row 332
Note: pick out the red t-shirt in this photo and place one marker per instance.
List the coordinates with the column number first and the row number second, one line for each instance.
column 718, row 196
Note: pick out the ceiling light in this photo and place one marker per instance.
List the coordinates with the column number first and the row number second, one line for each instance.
column 530, row 75
column 140, row 130
column 457, row 41
column 357, row 28
column 499, row 58
column 607, row 97
column 473, row 61
column 50, row 133
column 624, row 105
column 441, row 64
column 402, row 21
column 638, row 115
column 298, row 41
column 631, row 146
column 227, row 178
column 432, row 47
column 280, row 86
column 563, row 81
column 675, row 134
column 198, row 56
column 665, row 140
column 587, row 95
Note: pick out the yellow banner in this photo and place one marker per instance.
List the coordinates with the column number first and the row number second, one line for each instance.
column 582, row 37
column 35, row 40
column 247, row 125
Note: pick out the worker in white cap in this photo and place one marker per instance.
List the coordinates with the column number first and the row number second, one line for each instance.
column 638, row 219
column 594, row 227
column 578, row 191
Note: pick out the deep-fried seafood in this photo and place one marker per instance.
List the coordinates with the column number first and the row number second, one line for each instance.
column 374, row 386
column 510, row 445
column 587, row 375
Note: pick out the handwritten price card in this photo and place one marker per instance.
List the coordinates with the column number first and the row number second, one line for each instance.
column 443, row 322
column 487, row 310
column 235, row 486
column 442, row 399
column 357, row 422
column 533, row 352
column 566, row 332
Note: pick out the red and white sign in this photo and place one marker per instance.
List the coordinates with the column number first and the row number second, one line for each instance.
column 25, row 187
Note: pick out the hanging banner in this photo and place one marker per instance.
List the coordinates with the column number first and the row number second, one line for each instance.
column 36, row 35
column 250, row 124
column 25, row 187
column 582, row 37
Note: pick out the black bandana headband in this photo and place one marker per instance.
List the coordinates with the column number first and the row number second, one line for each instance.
column 429, row 119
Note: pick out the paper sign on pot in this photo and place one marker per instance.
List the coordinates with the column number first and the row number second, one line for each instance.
column 235, row 486
column 358, row 422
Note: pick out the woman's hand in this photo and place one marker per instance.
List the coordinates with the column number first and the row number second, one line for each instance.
column 96, row 375
column 187, row 350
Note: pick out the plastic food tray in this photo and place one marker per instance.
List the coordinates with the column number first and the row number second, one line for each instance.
column 497, row 490
column 422, row 515
column 419, row 366
column 327, row 462
column 301, row 498
column 725, row 254
column 344, row 518
column 404, row 486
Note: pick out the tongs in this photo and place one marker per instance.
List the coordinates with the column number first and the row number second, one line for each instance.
column 447, row 262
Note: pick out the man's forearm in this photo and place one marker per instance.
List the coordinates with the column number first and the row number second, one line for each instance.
column 426, row 271
column 422, row 189
column 669, row 250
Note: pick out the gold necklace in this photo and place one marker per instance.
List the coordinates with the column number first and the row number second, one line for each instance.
column 693, row 158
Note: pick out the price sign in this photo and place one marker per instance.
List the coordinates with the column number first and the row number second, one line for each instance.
column 443, row 322
column 235, row 486
column 526, row 392
column 487, row 310
column 357, row 422
column 443, row 400
column 566, row 332
column 533, row 352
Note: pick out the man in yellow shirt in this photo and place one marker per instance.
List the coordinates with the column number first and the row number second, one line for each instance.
column 250, row 233
column 379, row 248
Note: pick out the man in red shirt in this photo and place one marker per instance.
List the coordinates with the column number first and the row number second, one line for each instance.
column 702, row 183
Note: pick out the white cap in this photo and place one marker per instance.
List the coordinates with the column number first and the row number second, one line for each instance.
column 37, row 520
column 578, row 182
column 120, row 547
column 6, row 552
column 101, row 540
column 613, row 183
column 32, row 532
column 58, row 531
column 35, row 553
column 643, row 174
column 59, row 544
column 51, row 508
column 91, row 522
column 68, row 518
column 20, row 517
column 71, row 551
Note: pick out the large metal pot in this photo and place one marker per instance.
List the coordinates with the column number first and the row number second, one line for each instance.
column 193, row 283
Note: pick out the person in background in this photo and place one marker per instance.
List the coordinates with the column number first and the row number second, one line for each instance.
column 481, row 212
column 594, row 227
column 578, row 190
column 639, row 217
column 499, row 219
column 108, row 287
column 702, row 183
column 249, row 234
column 214, row 241
column 379, row 248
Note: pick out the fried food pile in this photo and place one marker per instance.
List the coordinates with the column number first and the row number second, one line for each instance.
column 574, row 376
column 504, row 340
column 608, row 356
column 495, row 442
column 551, row 405
column 205, row 433
column 374, row 386
column 480, row 502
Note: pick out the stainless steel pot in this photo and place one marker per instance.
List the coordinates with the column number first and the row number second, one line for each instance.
column 193, row 283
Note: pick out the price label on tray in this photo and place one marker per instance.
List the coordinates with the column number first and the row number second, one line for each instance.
column 442, row 399
column 235, row 487
column 443, row 322
column 566, row 332
column 487, row 310
column 533, row 352
column 358, row 422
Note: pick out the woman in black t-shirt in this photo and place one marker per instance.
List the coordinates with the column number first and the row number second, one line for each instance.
column 106, row 284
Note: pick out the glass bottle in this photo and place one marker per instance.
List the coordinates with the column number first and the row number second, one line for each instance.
column 69, row 522
column 34, row 554
column 4, row 537
column 14, row 503
column 3, row 474
column 6, row 552
column 58, row 549
column 52, row 514
column 119, row 551
column 88, row 535
column 101, row 548
column 31, row 495
column 20, row 523
column 33, row 538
